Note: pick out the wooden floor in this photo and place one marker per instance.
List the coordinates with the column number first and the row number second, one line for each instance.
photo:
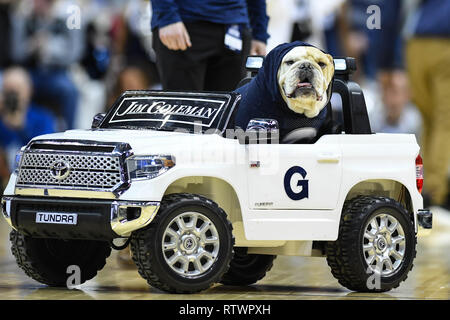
column 290, row 278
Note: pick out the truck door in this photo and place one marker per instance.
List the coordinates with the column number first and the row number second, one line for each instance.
column 295, row 176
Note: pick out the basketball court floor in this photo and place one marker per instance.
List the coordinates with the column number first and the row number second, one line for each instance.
column 295, row 278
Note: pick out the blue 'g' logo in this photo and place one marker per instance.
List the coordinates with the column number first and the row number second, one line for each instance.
column 301, row 183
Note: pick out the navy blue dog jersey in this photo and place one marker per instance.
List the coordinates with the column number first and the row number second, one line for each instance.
column 261, row 97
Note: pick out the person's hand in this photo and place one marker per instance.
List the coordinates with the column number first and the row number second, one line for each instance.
column 175, row 36
column 258, row 48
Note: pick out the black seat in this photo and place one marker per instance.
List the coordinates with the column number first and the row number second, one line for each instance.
column 244, row 82
column 300, row 136
column 308, row 135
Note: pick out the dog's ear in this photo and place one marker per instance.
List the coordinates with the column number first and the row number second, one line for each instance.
column 330, row 70
column 330, row 58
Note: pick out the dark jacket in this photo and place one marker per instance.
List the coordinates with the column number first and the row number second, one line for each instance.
column 251, row 13
column 433, row 19
column 261, row 97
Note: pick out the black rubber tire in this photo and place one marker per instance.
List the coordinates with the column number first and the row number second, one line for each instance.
column 47, row 260
column 246, row 269
column 146, row 245
column 345, row 256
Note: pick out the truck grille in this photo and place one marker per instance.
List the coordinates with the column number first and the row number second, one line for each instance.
column 42, row 167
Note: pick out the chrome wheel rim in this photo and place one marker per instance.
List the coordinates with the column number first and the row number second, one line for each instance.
column 190, row 244
column 384, row 245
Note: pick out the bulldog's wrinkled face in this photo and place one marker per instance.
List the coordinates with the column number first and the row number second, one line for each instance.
column 303, row 77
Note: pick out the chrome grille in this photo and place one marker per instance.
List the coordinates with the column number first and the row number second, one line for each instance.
column 82, row 162
column 86, row 171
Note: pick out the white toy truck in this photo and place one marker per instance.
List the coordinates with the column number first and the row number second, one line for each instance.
column 200, row 203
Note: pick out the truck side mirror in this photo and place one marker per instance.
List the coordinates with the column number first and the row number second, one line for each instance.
column 97, row 120
column 260, row 131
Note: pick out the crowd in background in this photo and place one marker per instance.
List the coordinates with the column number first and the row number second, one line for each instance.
column 54, row 78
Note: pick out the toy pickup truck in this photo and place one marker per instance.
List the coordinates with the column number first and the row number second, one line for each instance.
column 200, row 203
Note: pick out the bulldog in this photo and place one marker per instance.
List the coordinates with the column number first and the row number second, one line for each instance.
column 304, row 76
column 293, row 87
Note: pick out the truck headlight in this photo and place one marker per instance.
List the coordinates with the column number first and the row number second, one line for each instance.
column 149, row 167
column 17, row 160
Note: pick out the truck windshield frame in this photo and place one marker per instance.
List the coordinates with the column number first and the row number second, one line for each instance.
column 190, row 112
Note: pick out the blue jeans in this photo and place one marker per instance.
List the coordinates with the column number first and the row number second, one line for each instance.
column 57, row 86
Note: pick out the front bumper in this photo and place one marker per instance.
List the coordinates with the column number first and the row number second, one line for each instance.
column 96, row 219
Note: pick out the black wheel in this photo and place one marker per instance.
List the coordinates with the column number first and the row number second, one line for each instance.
column 376, row 245
column 47, row 260
column 246, row 269
column 187, row 247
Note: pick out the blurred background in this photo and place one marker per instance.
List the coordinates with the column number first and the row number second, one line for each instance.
column 54, row 78
column 63, row 61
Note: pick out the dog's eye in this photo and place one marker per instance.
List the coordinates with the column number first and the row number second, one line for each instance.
column 322, row 64
column 289, row 62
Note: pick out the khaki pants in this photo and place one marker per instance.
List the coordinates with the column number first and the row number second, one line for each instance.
column 428, row 62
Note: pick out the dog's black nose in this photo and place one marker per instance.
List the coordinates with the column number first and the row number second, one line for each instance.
column 305, row 66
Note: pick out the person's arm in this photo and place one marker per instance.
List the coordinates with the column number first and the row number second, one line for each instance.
column 166, row 11
column 172, row 32
column 259, row 21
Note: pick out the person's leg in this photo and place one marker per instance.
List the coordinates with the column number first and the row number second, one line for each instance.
column 176, row 71
column 430, row 82
column 419, row 81
column 419, row 77
column 223, row 72
column 185, row 70
column 439, row 132
column 227, row 68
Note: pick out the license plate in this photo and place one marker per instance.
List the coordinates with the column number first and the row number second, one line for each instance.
column 56, row 218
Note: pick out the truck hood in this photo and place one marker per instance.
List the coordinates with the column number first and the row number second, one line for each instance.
column 141, row 141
